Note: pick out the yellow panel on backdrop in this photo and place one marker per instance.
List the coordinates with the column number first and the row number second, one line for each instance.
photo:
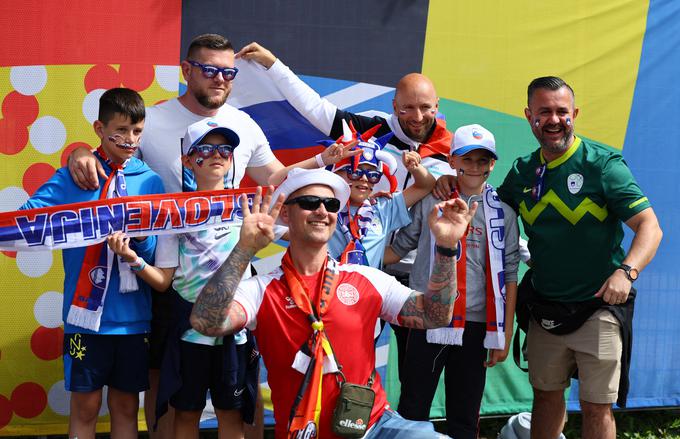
column 485, row 52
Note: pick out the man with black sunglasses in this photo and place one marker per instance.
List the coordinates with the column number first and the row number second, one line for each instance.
column 414, row 123
column 208, row 70
column 324, row 306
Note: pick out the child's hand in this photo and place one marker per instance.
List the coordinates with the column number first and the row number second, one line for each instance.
column 496, row 356
column 338, row 152
column 411, row 160
column 120, row 245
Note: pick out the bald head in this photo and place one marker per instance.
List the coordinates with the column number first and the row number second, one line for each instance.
column 414, row 82
column 415, row 104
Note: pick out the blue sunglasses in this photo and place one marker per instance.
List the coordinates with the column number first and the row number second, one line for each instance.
column 207, row 150
column 371, row 175
column 228, row 73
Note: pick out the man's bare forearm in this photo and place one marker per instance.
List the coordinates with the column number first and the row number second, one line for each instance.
column 211, row 313
column 434, row 308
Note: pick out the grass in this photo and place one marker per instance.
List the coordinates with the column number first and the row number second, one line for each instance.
column 634, row 424
column 638, row 424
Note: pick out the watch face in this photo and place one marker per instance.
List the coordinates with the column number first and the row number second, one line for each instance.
column 633, row 273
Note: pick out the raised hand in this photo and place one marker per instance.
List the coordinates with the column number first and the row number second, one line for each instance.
column 449, row 227
column 120, row 245
column 338, row 152
column 411, row 160
column 257, row 53
column 257, row 230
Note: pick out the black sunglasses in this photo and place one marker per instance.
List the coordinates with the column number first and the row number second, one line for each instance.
column 228, row 73
column 312, row 202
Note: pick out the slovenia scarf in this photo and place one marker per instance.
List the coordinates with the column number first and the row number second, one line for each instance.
column 354, row 229
column 307, row 408
column 495, row 280
column 87, row 305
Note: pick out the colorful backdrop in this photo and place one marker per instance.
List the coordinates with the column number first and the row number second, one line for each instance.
column 57, row 57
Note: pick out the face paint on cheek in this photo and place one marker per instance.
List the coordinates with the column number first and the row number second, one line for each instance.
column 486, row 174
column 199, row 161
column 461, row 171
column 568, row 121
column 536, row 123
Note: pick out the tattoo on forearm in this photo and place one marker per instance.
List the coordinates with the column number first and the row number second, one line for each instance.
column 212, row 313
column 434, row 308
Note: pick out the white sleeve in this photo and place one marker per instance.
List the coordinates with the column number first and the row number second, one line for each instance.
column 262, row 152
column 393, row 293
column 249, row 294
column 167, row 251
column 318, row 111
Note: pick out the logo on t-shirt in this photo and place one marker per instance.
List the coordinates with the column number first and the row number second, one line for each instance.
column 290, row 303
column 347, row 294
column 574, row 183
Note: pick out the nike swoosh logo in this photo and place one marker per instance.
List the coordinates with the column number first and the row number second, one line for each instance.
column 220, row 236
column 527, row 189
column 238, row 392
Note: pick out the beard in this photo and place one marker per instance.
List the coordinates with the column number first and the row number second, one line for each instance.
column 212, row 102
column 420, row 137
column 556, row 147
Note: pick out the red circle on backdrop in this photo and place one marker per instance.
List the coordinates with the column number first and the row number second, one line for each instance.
column 35, row 176
column 28, row 400
column 24, row 109
column 67, row 151
column 13, row 136
column 101, row 76
column 137, row 76
column 47, row 343
column 5, row 411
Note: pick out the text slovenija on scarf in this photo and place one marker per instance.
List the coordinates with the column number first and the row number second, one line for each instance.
column 495, row 280
column 307, row 405
column 87, row 306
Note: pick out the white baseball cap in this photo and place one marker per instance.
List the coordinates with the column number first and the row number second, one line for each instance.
column 471, row 137
column 197, row 131
column 298, row 178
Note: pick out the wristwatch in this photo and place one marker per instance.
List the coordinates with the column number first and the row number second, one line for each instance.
column 631, row 272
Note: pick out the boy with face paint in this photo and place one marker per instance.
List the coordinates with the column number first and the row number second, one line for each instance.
column 195, row 363
column 478, row 337
column 365, row 223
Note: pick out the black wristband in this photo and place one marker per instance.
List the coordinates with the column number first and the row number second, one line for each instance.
column 445, row 251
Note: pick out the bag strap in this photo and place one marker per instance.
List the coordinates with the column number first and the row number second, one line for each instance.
column 518, row 352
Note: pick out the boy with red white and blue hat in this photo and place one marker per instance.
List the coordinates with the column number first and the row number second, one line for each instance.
column 365, row 223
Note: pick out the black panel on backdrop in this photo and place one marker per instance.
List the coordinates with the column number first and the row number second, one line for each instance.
column 360, row 40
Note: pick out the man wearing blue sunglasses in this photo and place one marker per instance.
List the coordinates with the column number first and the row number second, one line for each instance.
column 208, row 70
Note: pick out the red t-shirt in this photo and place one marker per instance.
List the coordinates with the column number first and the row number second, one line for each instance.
column 363, row 294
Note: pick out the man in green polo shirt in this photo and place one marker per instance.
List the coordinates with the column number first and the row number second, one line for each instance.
column 573, row 196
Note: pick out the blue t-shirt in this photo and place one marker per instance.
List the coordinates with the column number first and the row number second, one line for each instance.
column 389, row 215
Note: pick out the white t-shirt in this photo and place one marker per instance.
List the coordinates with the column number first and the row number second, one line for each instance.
column 197, row 255
column 166, row 124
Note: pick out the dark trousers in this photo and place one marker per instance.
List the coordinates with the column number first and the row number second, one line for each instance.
column 464, row 378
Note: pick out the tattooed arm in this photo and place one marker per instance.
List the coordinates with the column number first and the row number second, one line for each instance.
column 434, row 308
column 214, row 313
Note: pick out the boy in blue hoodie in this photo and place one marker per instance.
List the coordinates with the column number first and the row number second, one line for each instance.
column 106, row 312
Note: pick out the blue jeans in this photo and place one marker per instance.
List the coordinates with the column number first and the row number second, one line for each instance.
column 392, row 426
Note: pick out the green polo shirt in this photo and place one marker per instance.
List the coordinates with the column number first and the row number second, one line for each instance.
column 575, row 229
